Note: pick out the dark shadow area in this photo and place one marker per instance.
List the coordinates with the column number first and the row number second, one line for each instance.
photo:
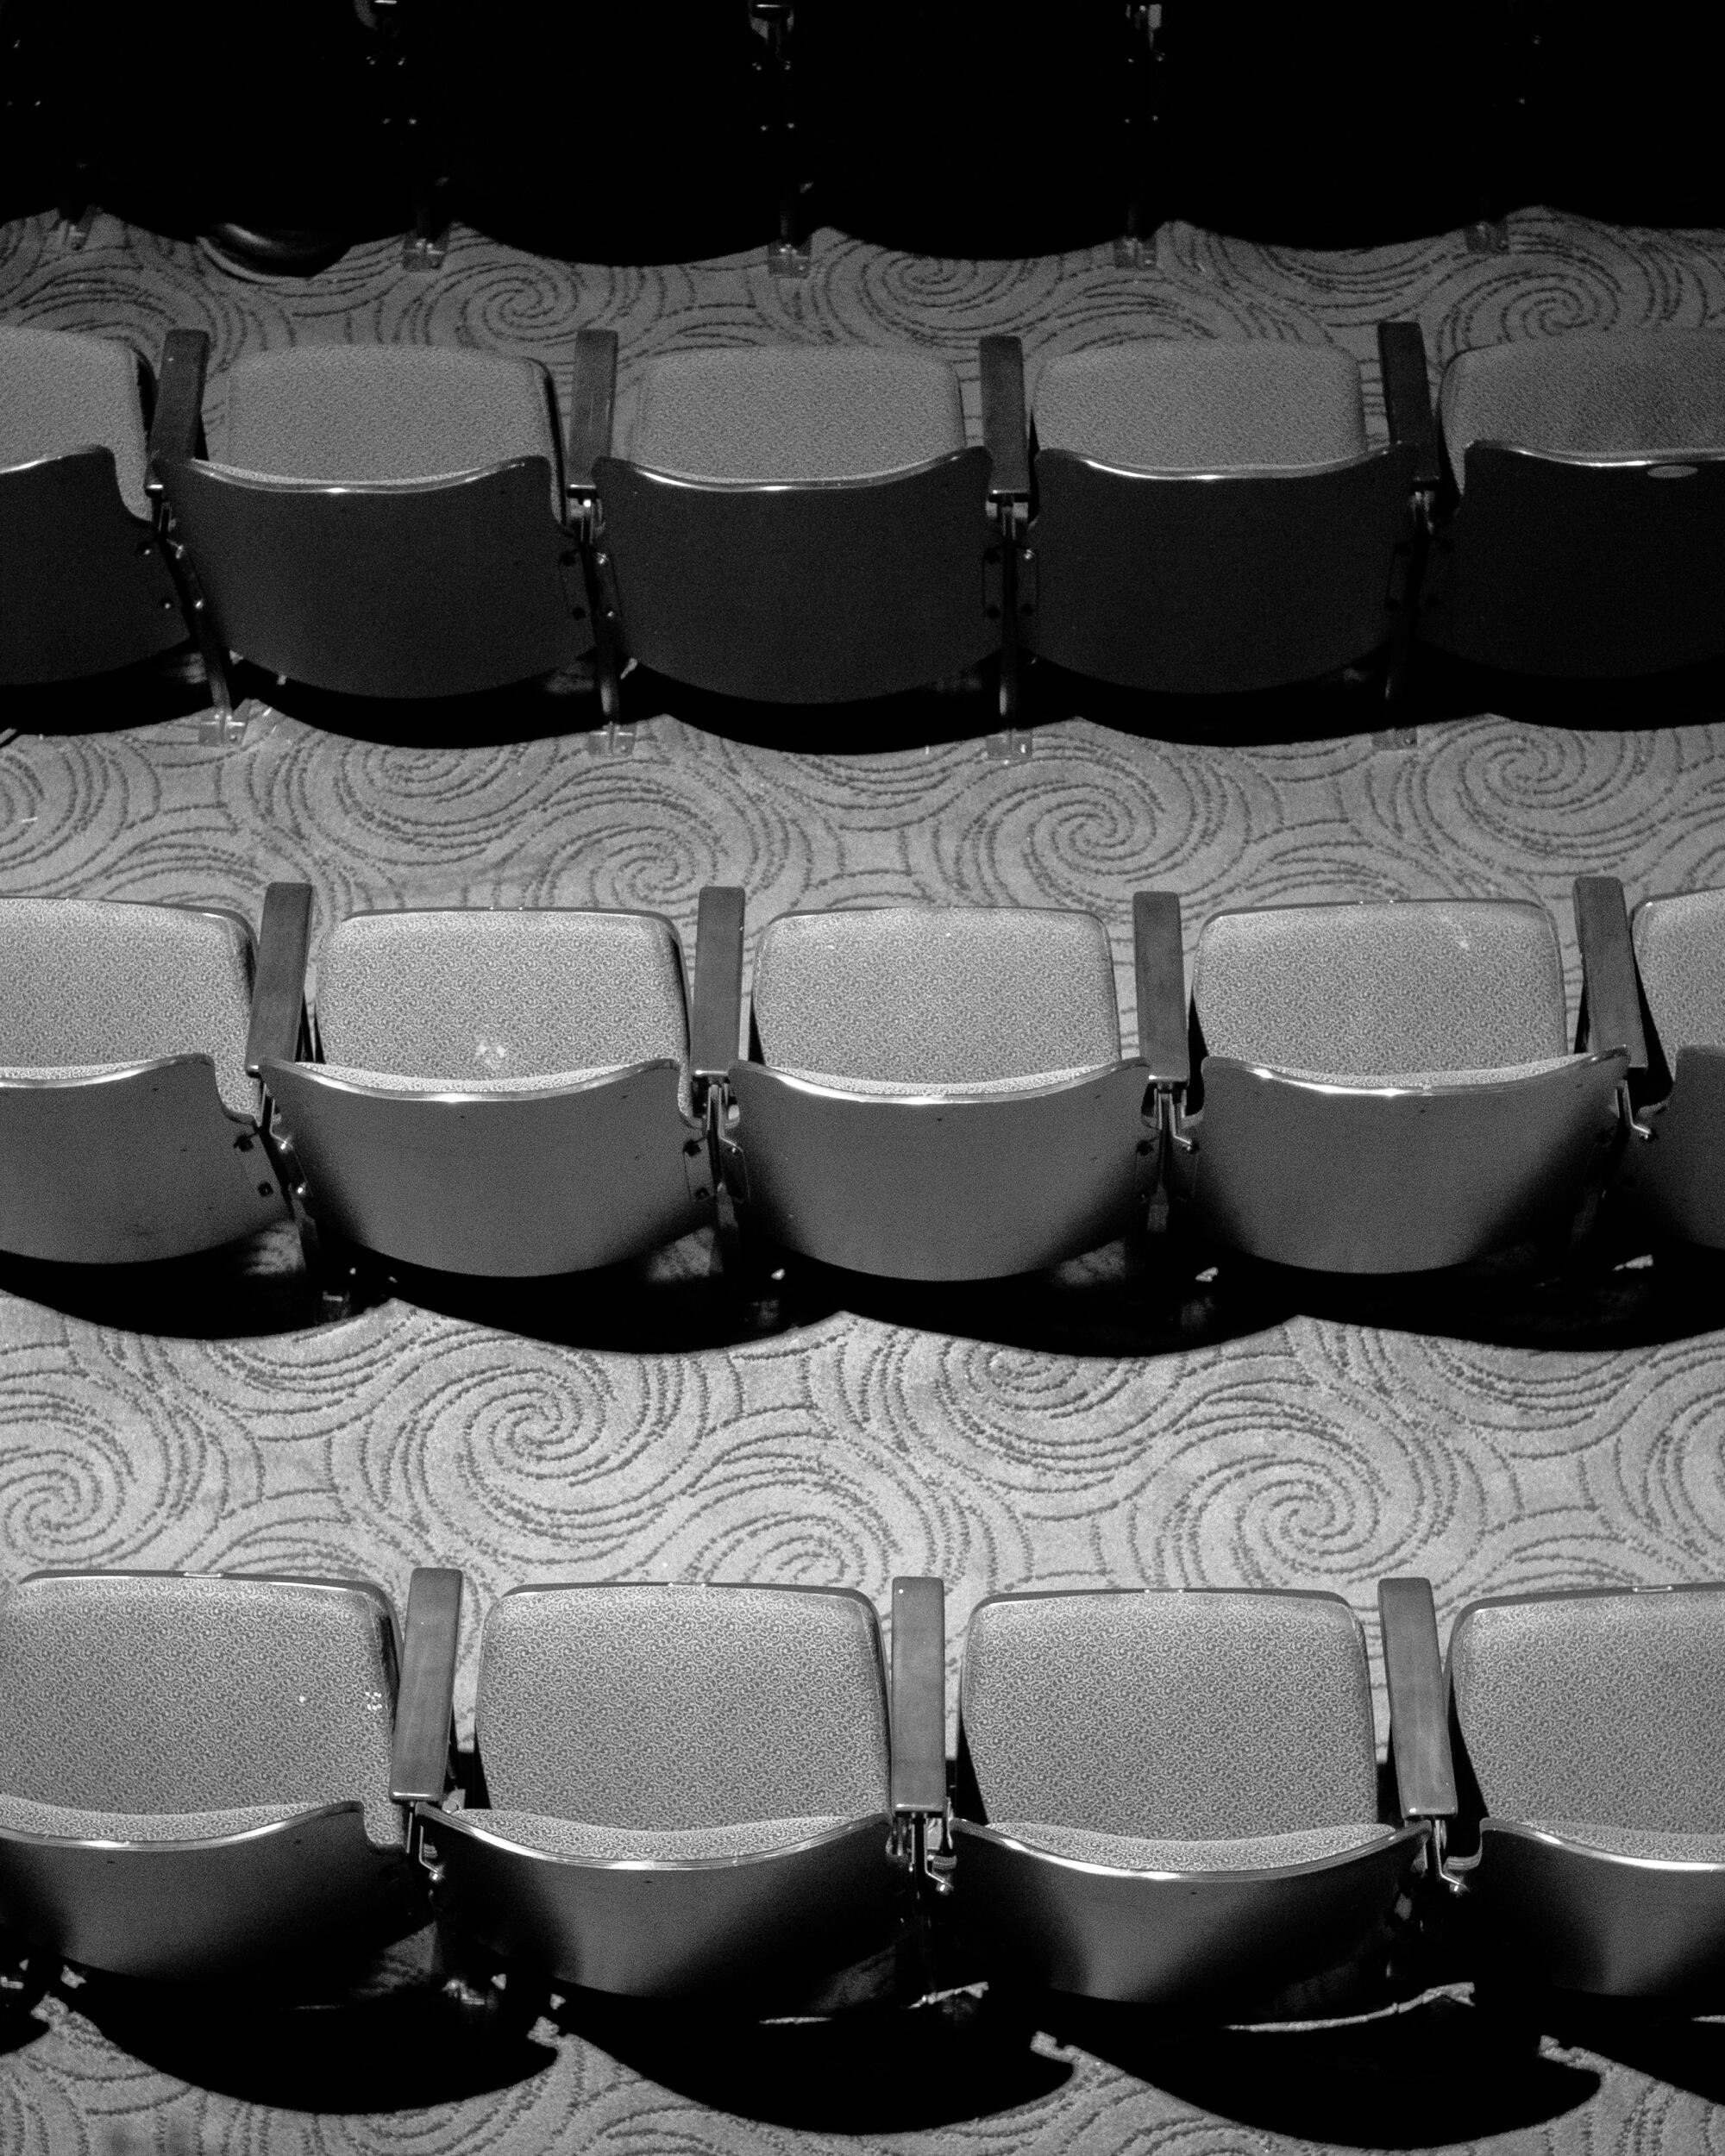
column 240, row 1292
column 102, row 704
column 978, row 231
column 875, row 2071
column 525, row 711
column 1685, row 2052
column 1453, row 688
column 962, row 709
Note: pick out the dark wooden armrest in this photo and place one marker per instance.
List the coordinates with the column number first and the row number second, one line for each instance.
column 1408, row 398
column 1419, row 1713
column 1005, row 433
column 592, row 400
column 424, row 1705
column 919, row 1734
column 278, row 990
column 1160, row 966
column 1610, row 1012
column 718, row 1013
column 177, row 427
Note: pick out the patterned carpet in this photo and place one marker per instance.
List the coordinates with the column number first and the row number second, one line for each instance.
column 1513, row 1440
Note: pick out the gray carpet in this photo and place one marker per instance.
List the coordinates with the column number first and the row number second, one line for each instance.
column 1510, row 1442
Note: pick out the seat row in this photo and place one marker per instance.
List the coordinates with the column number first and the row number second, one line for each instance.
column 806, row 524
column 1165, row 1798
column 927, row 1094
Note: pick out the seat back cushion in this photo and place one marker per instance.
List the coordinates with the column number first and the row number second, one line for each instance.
column 781, row 413
column 1590, row 393
column 1680, row 948
column 950, row 996
column 1601, row 1708
column 360, row 412
column 1424, row 989
column 59, row 392
column 679, row 1706
column 161, row 1692
column 475, row 996
column 1187, row 1716
column 1214, row 404
column 86, row 983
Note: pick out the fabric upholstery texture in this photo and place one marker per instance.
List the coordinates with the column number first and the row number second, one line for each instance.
column 1608, row 1708
column 371, row 412
column 1198, row 404
column 1242, row 1852
column 683, row 1707
column 1680, row 948
column 61, row 392
column 1646, row 1842
column 1427, row 986
column 789, row 412
column 621, row 1845
column 87, row 984
column 468, row 996
column 1491, row 1074
column 69, row 1823
column 1590, row 393
column 1170, row 1716
column 176, row 1693
column 921, row 1088
column 947, row 997
column 534, row 1081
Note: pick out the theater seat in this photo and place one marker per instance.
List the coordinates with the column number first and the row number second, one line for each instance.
column 1211, row 516
column 1589, row 1729
column 1386, row 1088
column 128, row 1127
column 688, row 1792
column 1171, row 1799
column 383, row 520
column 83, row 584
column 502, row 1092
column 1585, row 535
column 937, row 1093
column 202, row 1774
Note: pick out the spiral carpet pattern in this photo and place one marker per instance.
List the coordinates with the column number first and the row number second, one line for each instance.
column 1304, row 1450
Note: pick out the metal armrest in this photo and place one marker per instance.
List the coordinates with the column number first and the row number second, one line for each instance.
column 419, row 1759
column 1160, row 966
column 1610, row 1012
column 592, row 403
column 177, row 427
column 718, row 1013
column 278, row 990
column 1419, row 1716
column 1407, row 399
column 1005, row 430
column 919, row 1723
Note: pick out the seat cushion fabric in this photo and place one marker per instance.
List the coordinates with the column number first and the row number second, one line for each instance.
column 1680, row 948
column 682, row 1708
column 469, row 996
column 155, row 1692
column 68, row 1823
column 1170, row 1716
column 922, row 1089
column 1590, row 393
column 1644, row 1842
column 780, row 413
column 87, row 984
column 622, row 1845
column 359, row 413
column 534, row 1081
column 1608, row 1708
column 1426, row 988
column 1243, row 1853
column 941, row 997
column 61, row 392
column 1215, row 405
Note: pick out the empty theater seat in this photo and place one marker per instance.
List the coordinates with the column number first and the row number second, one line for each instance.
column 937, row 1093
column 795, row 523
column 689, row 1790
column 505, row 1093
column 1386, row 1088
column 1211, row 516
column 1171, row 1799
column 1585, row 531
column 382, row 520
column 1590, row 1728
column 128, row 1127
column 84, row 586
column 202, row 1775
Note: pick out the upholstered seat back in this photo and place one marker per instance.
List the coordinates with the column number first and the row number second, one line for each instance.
column 161, row 1692
column 926, row 996
column 1198, row 1716
column 86, row 983
column 664, row 1707
column 482, row 997
column 1602, row 1709
column 1680, row 950
column 1425, row 988
column 61, row 392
